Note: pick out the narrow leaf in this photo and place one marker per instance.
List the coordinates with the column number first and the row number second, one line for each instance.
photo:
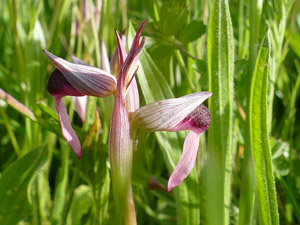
column 221, row 70
column 265, row 186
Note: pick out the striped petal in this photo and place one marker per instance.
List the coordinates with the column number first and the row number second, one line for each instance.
column 167, row 114
column 85, row 79
column 115, row 64
column 132, row 99
column 130, row 65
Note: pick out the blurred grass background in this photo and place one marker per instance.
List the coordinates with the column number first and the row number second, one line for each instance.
column 42, row 181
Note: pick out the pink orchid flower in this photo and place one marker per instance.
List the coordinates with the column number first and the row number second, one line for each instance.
column 177, row 114
column 70, row 79
column 185, row 113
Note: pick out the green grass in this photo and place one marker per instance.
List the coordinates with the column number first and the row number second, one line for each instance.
column 245, row 52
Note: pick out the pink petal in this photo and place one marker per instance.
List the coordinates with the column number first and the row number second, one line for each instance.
column 115, row 64
column 167, row 114
column 132, row 97
column 66, row 127
column 87, row 80
column 187, row 160
column 80, row 106
column 121, row 48
column 131, row 63
column 132, row 100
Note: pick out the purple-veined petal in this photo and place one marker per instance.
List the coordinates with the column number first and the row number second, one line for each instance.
column 80, row 104
column 87, row 80
column 66, row 127
column 167, row 114
column 121, row 48
column 130, row 65
column 104, row 58
column 187, row 160
column 132, row 99
column 115, row 63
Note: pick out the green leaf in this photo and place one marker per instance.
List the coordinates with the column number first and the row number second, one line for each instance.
column 81, row 204
column 192, row 31
column 172, row 19
column 14, row 184
column 221, row 72
column 259, row 134
column 154, row 87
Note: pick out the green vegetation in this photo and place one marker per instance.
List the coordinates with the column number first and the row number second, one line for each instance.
column 247, row 53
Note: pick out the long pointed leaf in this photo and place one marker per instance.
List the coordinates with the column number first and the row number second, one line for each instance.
column 220, row 68
column 265, row 185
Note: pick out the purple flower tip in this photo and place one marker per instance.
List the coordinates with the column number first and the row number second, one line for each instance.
column 59, row 85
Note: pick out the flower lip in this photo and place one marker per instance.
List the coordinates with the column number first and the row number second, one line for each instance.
column 200, row 117
column 59, row 85
column 197, row 121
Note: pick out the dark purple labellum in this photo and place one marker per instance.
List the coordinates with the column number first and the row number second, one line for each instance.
column 59, row 85
column 199, row 118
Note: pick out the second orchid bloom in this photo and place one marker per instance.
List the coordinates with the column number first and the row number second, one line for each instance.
column 184, row 113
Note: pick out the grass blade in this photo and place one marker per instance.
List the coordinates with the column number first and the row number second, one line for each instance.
column 220, row 68
column 265, row 186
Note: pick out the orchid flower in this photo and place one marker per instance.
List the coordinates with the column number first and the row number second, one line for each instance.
column 120, row 141
column 70, row 79
column 176, row 114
